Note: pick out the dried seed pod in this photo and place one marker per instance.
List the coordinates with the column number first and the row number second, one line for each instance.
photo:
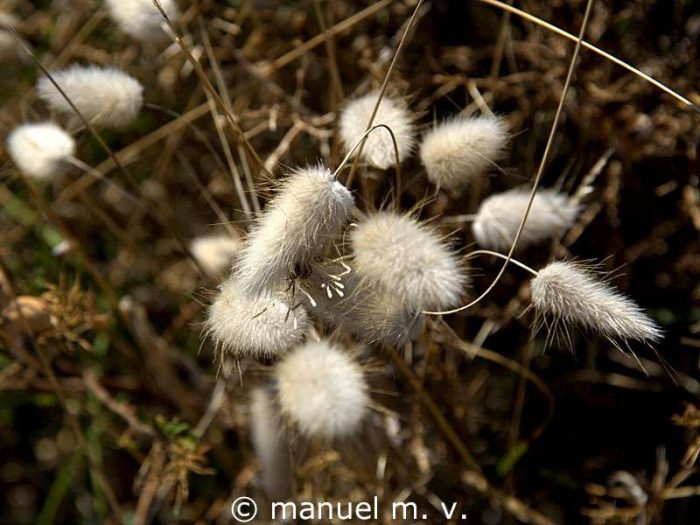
column 310, row 208
column 322, row 390
column 107, row 97
column 497, row 221
column 565, row 293
column 457, row 151
column 378, row 149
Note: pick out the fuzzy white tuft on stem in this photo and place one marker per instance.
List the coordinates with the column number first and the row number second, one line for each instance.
column 107, row 97
column 566, row 293
column 497, row 221
column 459, row 150
column 41, row 150
column 322, row 390
column 378, row 149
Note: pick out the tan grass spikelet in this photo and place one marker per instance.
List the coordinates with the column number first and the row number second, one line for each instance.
column 41, row 150
column 106, row 96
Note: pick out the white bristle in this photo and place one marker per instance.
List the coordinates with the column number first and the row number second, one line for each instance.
column 270, row 445
column 457, row 151
column 409, row 260
column 565, row 293
column 309, row 210
column 215, row 253
column 359, row 307
column 322, row 390
column 499, row 216
column 141, row 19
column 40, row 150
column 378, row 149
column 261, row 327
column 107, row 97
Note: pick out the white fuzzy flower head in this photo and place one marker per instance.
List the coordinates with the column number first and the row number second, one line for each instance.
column 378, row 149
column 261, row 327
column 40, row 150
column 215, row 252
column 457, row 151
column 408, row 260
column 341, row 298
column 141, row 19
column 322, row 390
column 499, row 216
column 310, row 208
column 107, row 97
column 565, row 293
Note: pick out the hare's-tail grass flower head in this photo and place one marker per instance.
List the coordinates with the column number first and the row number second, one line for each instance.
column 322, row 390
column 310, row 208
column 270, row 444
column 376, row 316
column 378, row 149
column 262, row 327
column 459, row 150
column 408, row 260
column 107, row 97
column 40, row 150
column 215, row 253
column 344, row 300
column 141, row 19
column 499, row 216
column 565, row 293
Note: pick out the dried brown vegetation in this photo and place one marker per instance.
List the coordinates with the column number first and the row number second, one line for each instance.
column 112, row 409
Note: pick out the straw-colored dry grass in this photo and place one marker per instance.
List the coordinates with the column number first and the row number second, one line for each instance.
column 113, row 411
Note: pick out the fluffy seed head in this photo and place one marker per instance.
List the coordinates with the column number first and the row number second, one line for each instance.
column 566, row 293
column 260, row 327
column 457, row 151
column 106, row 96
column 499, row 216
column 215, row 252
column 140, row 18
column 407, row 260
column 40, row 150
column 309, row 210
column 379, row 148
column 342, row 299
column 322, row 390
